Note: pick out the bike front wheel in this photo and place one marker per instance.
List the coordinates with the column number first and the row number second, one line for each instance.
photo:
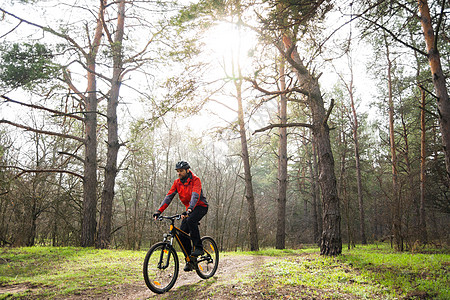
column 161, row 268
column 207, row 263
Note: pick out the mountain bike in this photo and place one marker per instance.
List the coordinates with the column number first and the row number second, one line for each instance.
column 161, row 264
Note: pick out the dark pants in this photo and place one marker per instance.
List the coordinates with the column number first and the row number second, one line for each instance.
column 190, row 225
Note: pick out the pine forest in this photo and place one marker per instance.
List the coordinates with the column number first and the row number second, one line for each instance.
column 308, row 122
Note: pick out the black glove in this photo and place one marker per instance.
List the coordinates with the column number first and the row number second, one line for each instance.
column 156, row 214
column 186, row 213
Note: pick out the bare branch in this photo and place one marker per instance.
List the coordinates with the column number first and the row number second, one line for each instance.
column 102, row 19
column 58, row 113
column 48, row 29
column 429, row 92
column 276, row 93
column 20, row 22
column 271, row 126
column 42, row 131
column 72, row 155
column 329, row 111
column 132, row 58
column 92, row 71
column 297, row 100
column 428, row 111
column 441, row 16
column 223, row 104
column 69, row 82
column 395, row 36
column 23, row 171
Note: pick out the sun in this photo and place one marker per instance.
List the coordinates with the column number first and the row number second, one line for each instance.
column 230, row 44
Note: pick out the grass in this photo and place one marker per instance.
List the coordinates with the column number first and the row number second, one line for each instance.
column 365, row 272
column 272, row 252
column 60, row 271
column 406, row 272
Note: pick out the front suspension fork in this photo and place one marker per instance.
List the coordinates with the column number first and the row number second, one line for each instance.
column 166, row 249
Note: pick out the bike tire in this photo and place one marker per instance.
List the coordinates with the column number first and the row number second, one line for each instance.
column 208, row 263
column 161, row 279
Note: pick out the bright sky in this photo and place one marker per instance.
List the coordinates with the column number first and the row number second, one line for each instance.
column 224, row 42
column 227, row 41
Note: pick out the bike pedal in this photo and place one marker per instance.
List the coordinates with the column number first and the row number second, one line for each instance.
column 193, row 258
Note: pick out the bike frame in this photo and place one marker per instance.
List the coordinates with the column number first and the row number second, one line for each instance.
column 176, row 232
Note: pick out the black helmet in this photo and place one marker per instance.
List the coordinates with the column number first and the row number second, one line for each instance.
column 182, row 165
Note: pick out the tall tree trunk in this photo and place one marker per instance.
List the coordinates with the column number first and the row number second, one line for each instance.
column 252, row 227
column 342, row 188
column 104, row 231
column 355, row 127
column 422, row 217
column 56, row 211
column 89, row 222
column 331, row 243
column 282, row 165
column 422, row 228
column 33, row 219
column 314, row 193
column 410, row 193
column 316, row 197
column 249, row 195
column 396, row 219
column 443, row 102
column 238, row 227
column 362, row 230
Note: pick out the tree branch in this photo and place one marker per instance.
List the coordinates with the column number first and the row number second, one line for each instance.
column 276, row 93
column 92, row 71
column 429, row 92
column 20, row 22
column 329, row 111
column 271, row 126
column 217, row 101
column 68, row 81
column 102, row 19
column 48, row 29
column 42, row 131
column 428, row 111
column 23, row 171
column 395, row 37
column 441, row 15
column 72, row 155
column 58, row 113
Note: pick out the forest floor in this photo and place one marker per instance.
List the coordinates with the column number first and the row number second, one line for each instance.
column 224, row 285
column 368, row 272
column 231, row 281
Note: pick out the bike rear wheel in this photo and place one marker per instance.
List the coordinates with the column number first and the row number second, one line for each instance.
column 161, row 268
column 207, row 263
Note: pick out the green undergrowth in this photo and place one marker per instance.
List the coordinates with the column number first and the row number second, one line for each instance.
column 405, row 273
column 365, row 272
column 48, row 271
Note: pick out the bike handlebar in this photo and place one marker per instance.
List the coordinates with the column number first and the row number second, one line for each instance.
column 174, row 217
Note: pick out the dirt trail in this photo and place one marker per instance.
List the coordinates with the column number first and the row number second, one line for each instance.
column 188, row 285
column 230, row 269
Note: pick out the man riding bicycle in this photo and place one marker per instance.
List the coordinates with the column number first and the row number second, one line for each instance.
column 189, row 189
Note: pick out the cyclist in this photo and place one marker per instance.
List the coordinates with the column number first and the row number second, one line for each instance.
column 189, row 189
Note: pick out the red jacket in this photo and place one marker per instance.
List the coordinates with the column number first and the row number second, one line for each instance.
column 189, row 191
